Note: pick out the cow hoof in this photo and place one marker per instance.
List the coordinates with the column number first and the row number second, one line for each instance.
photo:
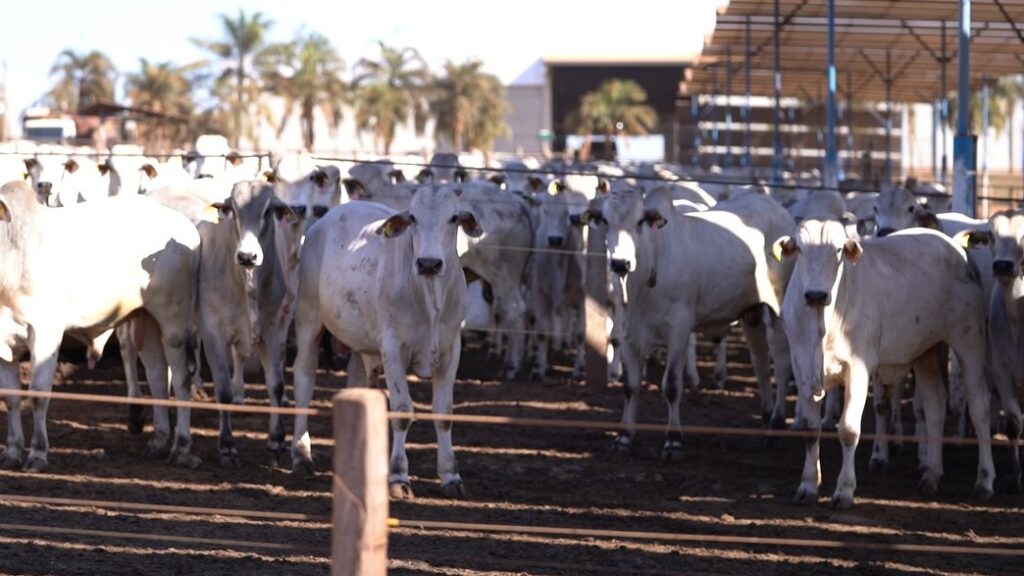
column 536, row 376
column 841, row 502
column 579, row 375
column 156, row 449
column 614, row 376
column 672, row 453
column 719, row 381
column 878, row 465
column 185, row 460
column 401, row 491
column 621, row 446
column 228, row 459
column 10, row 460
column 455, row 490
column 303, row 466
column 982, row 492
column 805, row 496
column 199, row 394
column 36, row 464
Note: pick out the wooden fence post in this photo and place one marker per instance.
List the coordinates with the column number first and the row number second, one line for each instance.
column 359, row 543
column 596, row 306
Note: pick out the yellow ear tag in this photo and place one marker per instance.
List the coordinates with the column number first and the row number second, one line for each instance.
column 965, row 241
column 388, row 229
column 777, row 251
column 585, row 218
column 212, row 212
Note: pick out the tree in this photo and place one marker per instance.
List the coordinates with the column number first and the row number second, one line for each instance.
column 239, row 49
column 1004, row 94
column 469, row 105
column 164, row 88
column 389, row 91
column 307, row 74
column 81, row 79
column 617, row 107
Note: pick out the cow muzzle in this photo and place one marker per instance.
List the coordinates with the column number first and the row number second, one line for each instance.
column 619, row 266
column 817, row 298
column 45, row 187
column 883, row 232
column 1002, row 268
column 247, row 259
column 555, row 241
column 429, row 266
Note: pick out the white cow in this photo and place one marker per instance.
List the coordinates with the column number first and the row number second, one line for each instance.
column 1006, row 238
column 81, row 270
column 63, row 182
column 241, row 289
column 853, row 310
column 388, row 285
column 673, row 285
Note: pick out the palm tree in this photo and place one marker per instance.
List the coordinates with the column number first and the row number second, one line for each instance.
column 1003, row 97
column 307, row 74
column 238, row 50
column 616, row 107
column 390, row 90
column 164, row 88
column 469, row 106
column 81, row 79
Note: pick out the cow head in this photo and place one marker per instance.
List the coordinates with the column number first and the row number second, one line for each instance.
column 823, row 247
column 898, row 209
column 251, row 210
column 432, row 221
column 1006, row 240
column 626, row 217
column 553, row 226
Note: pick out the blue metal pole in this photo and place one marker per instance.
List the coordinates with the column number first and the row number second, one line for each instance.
column 831, row 153
column 936, row 119
column 695, row 114
column 728, row 107
column 984, row 124
column 888, row 116
column 777, row 137
column 714, row 118
column 747, row 161
column 944, row 109
column 964, row 143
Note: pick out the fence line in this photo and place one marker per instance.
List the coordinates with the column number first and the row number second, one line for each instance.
column 704, row 539
column 484, row 419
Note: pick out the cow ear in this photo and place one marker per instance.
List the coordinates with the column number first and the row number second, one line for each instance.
column 234, row 158
column 653, row 218
column 556, row 187
column 395, row 225
column 396, row 176
column 149, row 170
column 498, row 179
column 469, row 224
column 536, row 183
column 461, row 175
column 968, row 239
column 104, row 168
column 5, row 211
column 603, row 186
column 848, row 218
column 852, row 250
column 71, row 165
column 31, row 163
column 591, row 217
column 283, row 211
column 927, row 219
column 354, row 186
column 319, row 178
column 785, row 246
column 269, row 176
column 425, row 175
column 223, row 209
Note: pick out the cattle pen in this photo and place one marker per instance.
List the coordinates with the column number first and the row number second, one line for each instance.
column 544, row 496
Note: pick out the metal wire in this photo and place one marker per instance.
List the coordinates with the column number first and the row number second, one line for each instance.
column 705, row 539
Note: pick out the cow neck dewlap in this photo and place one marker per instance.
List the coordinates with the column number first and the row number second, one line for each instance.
column 252, row 304
column 403, row 284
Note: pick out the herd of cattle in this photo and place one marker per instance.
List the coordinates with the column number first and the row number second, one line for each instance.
column 238, row 257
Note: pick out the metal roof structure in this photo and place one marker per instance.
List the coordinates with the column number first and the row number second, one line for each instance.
column 895, row 50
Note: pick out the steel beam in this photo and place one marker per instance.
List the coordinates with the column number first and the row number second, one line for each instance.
column 776, row 136
column 964, row 144
column 728, row 108
column 747, row 161
column 831, row 153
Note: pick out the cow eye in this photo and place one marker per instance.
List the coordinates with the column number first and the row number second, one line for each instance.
column 319, row 211
column 875, row 208
column 910, row 209
column 412, row 219
column 453, row 219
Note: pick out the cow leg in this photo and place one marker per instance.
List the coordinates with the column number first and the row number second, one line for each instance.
column 399, row 400
column 14, row 446
column 857, row 381
column 672, row 387
column 810, row 480
column 273, row 374
column 155, row 362
column 957, row 399
column 783, row 366
column 44, row 345
column 217, row 352
column 443, row 392
column 238, row 361
column 691, row 378
column 511, row 319
column 928, row 380
column 883, row 408
column 130, row 361
column 177, row 359
column 754, row 331
column 721, row 358
column 920, row 427
column 895, row 393
column 833, row 408
column 358, row 375
column 976, row 389
column 307, row 345
column 632, row 373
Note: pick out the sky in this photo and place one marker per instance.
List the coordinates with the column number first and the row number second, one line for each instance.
column 507, row 36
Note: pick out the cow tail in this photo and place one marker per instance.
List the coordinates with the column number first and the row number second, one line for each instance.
column 192, row 338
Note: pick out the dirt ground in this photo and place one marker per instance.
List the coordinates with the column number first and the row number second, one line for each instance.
column 522, row 476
